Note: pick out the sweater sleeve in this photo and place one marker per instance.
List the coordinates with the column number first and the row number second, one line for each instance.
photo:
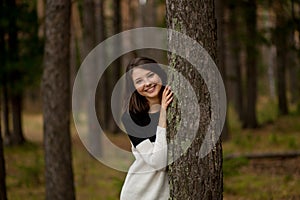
column 155, row 154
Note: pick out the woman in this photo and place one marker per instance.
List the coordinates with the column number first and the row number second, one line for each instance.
column 145, row 122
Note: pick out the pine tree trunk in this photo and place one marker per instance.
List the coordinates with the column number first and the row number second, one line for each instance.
column 102, row 108
column 193, row 177
column 251, row 66
column 281, row 57
column 115, row 68
column 7, row 134
column 17, row 134
column 3, row 195
column 221, row 63
column 235, row 86
column 56, row 101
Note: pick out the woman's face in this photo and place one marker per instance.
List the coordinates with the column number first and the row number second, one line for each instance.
column 146, row 82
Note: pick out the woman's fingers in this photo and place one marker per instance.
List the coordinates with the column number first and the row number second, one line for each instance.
column 167, row 96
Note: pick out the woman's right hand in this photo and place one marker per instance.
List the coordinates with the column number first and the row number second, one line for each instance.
column 167, row 97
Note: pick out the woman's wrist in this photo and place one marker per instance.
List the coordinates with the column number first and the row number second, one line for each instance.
column 162, row 118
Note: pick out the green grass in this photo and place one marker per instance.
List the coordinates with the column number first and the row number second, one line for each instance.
column 242, row 178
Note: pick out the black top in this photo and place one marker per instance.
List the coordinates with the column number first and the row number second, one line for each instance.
column 140, row 127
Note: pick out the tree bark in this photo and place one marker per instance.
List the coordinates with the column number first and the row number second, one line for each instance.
column 193, row 177
column 56, row 101
column 251, row 64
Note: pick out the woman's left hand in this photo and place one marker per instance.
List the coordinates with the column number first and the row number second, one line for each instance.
column 167, row 97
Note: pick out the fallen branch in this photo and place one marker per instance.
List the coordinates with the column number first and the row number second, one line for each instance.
column 269, row 155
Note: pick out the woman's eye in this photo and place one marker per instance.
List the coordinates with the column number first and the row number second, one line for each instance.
column 151, row 75
column 138, row 82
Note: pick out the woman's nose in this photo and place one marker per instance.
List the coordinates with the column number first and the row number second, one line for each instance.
column 147, row 82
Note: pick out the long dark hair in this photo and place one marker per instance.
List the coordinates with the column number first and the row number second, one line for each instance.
column 136, row 103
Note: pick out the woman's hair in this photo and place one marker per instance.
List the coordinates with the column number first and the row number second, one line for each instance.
column 136, row 103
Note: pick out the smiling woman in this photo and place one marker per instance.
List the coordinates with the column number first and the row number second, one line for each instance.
column 144, row 119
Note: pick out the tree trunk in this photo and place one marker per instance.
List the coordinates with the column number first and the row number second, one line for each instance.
column 115, row 68
column 7, row 134
column 101, row 96
column 221, row 62
column 3, row 195
column 89, row 42
column 56, row 100
column 251, row 66
column 191, row 176
column 235, row 86
column 17, row 134
column 281, row 57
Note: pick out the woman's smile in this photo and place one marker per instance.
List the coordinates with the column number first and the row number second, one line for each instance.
column 147, row 83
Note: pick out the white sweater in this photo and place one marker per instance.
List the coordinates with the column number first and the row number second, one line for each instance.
column 147, row 177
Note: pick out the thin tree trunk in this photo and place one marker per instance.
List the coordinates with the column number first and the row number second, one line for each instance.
column 251, row 66
column 17, row 134
column 7, row 134
column 56, row 100
column 101, row 104
column 3, row 195
column 221, row 63
column 115, row 69
column 281, row 59
column 235, row 86
column 89, row 42
column 191, row 176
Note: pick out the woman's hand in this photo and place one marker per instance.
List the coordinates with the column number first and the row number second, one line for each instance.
column 167, row 97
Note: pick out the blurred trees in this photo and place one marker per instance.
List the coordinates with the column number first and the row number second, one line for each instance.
column 56, row 101
column 21, row 50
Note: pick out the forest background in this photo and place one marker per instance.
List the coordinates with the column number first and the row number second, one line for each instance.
column 258, row 56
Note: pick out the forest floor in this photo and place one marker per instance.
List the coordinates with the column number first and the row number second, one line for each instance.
column 243, row 178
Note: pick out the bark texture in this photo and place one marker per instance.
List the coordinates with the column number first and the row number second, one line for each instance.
column 56, row 101
column 193, row 177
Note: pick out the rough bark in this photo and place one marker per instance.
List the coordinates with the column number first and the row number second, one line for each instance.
column 56, row 101
column 251, row 64
column 193, row 177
